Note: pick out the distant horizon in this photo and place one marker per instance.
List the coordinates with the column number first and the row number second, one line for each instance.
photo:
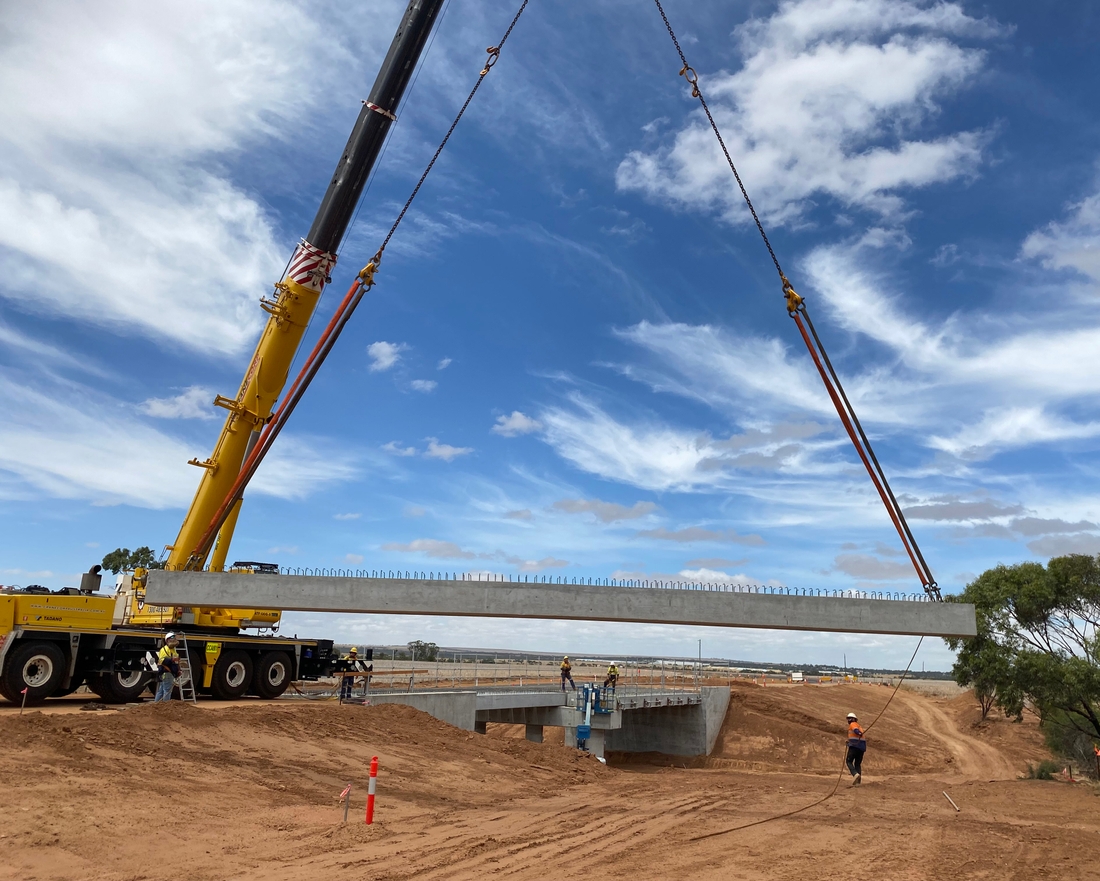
column 516, row 654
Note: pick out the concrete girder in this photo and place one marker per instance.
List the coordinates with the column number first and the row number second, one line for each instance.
column 506, row 599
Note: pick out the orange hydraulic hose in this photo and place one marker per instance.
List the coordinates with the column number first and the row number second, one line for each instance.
column 843, row 413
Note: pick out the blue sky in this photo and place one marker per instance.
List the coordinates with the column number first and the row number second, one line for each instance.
column 576, row 361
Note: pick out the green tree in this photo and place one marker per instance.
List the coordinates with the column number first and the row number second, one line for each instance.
column 423, row 651
column 984, row 666
column 1037, row 645
column 123, row 559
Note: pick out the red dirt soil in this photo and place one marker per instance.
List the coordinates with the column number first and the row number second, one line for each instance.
column 250, row 792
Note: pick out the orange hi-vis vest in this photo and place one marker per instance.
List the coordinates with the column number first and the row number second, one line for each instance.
column 855, row 736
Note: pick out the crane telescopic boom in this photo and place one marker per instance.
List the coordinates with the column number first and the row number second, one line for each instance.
column 297, row 294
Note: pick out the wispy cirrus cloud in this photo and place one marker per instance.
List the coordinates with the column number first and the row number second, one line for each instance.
column 701, row 534
column 56, row 440
column 115, row 159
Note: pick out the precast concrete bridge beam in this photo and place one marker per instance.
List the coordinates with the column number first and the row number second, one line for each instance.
column 574, row 602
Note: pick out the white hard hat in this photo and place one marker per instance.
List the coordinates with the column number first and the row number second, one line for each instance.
column 169, row 636
column 852, row 716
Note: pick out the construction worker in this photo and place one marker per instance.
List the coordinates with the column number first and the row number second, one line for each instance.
column 168, row 668
column 857, row 746
column 347, row 682
column 567, row 673
column 612, row 676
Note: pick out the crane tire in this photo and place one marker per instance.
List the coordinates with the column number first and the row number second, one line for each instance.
column 273, row 675
column 38, row 667
column 232, row 675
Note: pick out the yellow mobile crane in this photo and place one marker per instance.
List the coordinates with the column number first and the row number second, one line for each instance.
column 52, row 642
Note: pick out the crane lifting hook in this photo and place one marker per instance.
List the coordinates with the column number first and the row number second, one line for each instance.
column 794, row 301
column 366, row 274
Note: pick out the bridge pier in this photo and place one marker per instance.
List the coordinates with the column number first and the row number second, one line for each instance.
column 533, row 733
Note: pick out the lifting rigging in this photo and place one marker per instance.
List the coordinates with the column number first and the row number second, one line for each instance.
column 85, row 637
column 192, row 554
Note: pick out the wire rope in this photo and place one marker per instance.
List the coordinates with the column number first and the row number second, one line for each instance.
column 796, row 307
column 839, row 776
column 363, row 282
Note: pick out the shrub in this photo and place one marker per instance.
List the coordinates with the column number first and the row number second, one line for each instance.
column 1045, row 770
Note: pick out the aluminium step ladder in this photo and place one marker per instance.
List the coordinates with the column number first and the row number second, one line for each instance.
column 186, row 682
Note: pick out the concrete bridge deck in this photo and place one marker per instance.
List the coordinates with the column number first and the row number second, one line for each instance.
column 581, row 602
column 674, row 722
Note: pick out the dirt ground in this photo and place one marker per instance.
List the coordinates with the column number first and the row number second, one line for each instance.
column 250, row 791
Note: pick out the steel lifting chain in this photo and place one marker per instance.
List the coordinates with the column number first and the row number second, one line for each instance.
column 796, row 308
column 490, row 62
column 363, row 282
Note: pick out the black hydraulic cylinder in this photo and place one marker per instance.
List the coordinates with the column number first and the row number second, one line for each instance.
column 372, row 126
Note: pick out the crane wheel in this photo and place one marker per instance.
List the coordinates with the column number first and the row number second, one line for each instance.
column 120, row 687
column 273, row 675
column 38, row 667
column 232, row 675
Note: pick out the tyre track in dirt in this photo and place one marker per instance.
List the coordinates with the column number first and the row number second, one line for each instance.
column 971, row 758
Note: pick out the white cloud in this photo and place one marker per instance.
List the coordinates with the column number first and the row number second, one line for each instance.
column 346, row 516
column 354, row 559
column 443, row 364
column 971, row 384
column 414, row 511
column 194, row 402
column 1070, row 244
column 1057, row 545
column 654, row 456
column 430, row 547
column 77, row 444
column 1007, row 427
column 115, row 127
column 651, row 457
column 13, row 339
column 523, row 514
column 395, row 448
column 605, row 512
column 728, row 371
column 822, row 105
column 956, row 508
column 384, row 355
column 423, row 385
column 517, row 423
column 712, row 575
column 446, row 452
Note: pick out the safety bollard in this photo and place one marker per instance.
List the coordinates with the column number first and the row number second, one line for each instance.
column 370, row 789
